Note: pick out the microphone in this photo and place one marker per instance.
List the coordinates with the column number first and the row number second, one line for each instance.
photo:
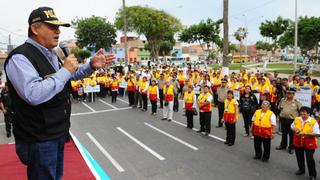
column 64, row 48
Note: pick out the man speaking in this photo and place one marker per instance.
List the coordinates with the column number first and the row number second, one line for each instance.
column 39, row 87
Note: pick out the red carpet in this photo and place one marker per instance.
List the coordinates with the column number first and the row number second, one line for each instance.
column 75, row 167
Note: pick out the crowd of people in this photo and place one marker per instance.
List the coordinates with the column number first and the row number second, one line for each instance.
column 266, row 102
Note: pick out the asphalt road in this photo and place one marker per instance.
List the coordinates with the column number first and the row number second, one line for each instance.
column 142, row 146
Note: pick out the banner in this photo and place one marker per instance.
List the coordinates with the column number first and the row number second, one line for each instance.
column 236, row 95
column 123, row 85
column 304, row 96
column 90, row 89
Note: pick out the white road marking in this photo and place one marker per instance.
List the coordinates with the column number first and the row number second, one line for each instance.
column 102, row 111
column 173, row 137
column 2, row 124
column 161, row 158
column 195, row 129
column 86, row 105
column 123, row 100
column 108, row 104
column 105, row 153
column 11, row 143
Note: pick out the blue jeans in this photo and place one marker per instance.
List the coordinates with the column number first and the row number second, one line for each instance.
column 44, row 160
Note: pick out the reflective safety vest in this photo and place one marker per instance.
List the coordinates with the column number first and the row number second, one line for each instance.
column 101, row 80
column 181, row 79
column 188, row 100
column 201, row 99
column 153, row 96
column 229, row 111
column 131, row 85
column 114, row 85
column 262, row 125
column 143, row 86
column 307, row 142
column 168, row 93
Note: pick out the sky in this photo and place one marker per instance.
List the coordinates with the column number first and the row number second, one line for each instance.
column 242, row 13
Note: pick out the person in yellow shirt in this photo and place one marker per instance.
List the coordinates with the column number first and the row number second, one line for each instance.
column 263, row 130
column 230, row 117
column 181, row 80
column 168, row 94
column 114, row 88
column 131, row 88
column 189, row 105
column 143, row 89
column 205, row 108
column 153, row 94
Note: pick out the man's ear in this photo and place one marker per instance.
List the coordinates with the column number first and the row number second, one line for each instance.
column 34, row 29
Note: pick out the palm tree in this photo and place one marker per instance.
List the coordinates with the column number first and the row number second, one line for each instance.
column 225, row 62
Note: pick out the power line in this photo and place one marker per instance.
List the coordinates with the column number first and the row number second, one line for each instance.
column 254, row 8
column 11, row 32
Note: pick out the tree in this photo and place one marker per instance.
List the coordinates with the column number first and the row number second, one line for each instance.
column 226, row 60
column 241, row 33
column 94, row 31
column 263, row 46
column 274, row 30
column 308, row 35
column 206, row 32
column 81, row 54
column 154, row 24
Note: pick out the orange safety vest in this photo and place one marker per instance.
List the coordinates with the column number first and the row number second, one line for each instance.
column 114, row 85
column 181, row 79
column 131, row 85
column 262, row 125
column 201, row 99
column 188, row 100
column 229, row 111
column 307, row 142
column 153, row 93
column 168, row 93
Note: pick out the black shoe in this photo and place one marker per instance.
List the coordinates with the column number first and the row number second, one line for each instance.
column 299, row 172
column 280, row 148
column 256, row 158
column 199, row 131
column 169, row 120
column 189, row 127
column 163, row 119
column 8, row 135
column 312, row 178
column 206, row 134
column 218, row 126
column 230, row 144
column 134, row 106
column 264, row 160
column 290, row 151
column 226, row 142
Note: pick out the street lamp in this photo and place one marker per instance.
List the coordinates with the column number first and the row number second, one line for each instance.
column 125, row 31
column 295, row 37
column 241, row 34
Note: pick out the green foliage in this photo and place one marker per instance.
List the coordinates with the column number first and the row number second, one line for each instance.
column 94, row 31
column 157, row 26
column 81, row 54
column 205, row 32
column 240, row 32
column 232, row 48
column 263, row 45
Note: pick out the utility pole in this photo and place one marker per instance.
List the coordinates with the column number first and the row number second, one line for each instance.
column 295, row 37
column 125, row 31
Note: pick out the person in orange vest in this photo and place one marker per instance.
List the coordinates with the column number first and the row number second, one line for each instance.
column 114, row 88
column 144, row 92
column 189, row 105
column 230, row 117
column 181, row 80
column 306, row 131
column 263, row 130
column 153, row 94
column 131, row 88
column 168, row 93
column 205, row 108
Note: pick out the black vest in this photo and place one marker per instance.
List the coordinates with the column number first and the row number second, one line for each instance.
column 45, row 121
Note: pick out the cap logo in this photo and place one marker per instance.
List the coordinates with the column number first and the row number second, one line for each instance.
column 50, row 14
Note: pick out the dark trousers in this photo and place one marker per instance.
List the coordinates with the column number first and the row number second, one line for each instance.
column 8, row 121
column 161, row 97
column 138, row 99
column 44, row 160
column 286, row 130
column 310, row 160
column 205, row 121
column 145, row 101
column 181, row 89
column 103, row 92
column 131, row 97
column 153, row 106
column 221, row 111
column 176, row 104
column 189, row 115
column 258, row 142
column 121, row 91
column 231, row 132
column 247, row 118
column 114, row 95
column 215, row 98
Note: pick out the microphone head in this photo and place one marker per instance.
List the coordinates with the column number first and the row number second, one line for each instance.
column 64, row 48
column 63, row 45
